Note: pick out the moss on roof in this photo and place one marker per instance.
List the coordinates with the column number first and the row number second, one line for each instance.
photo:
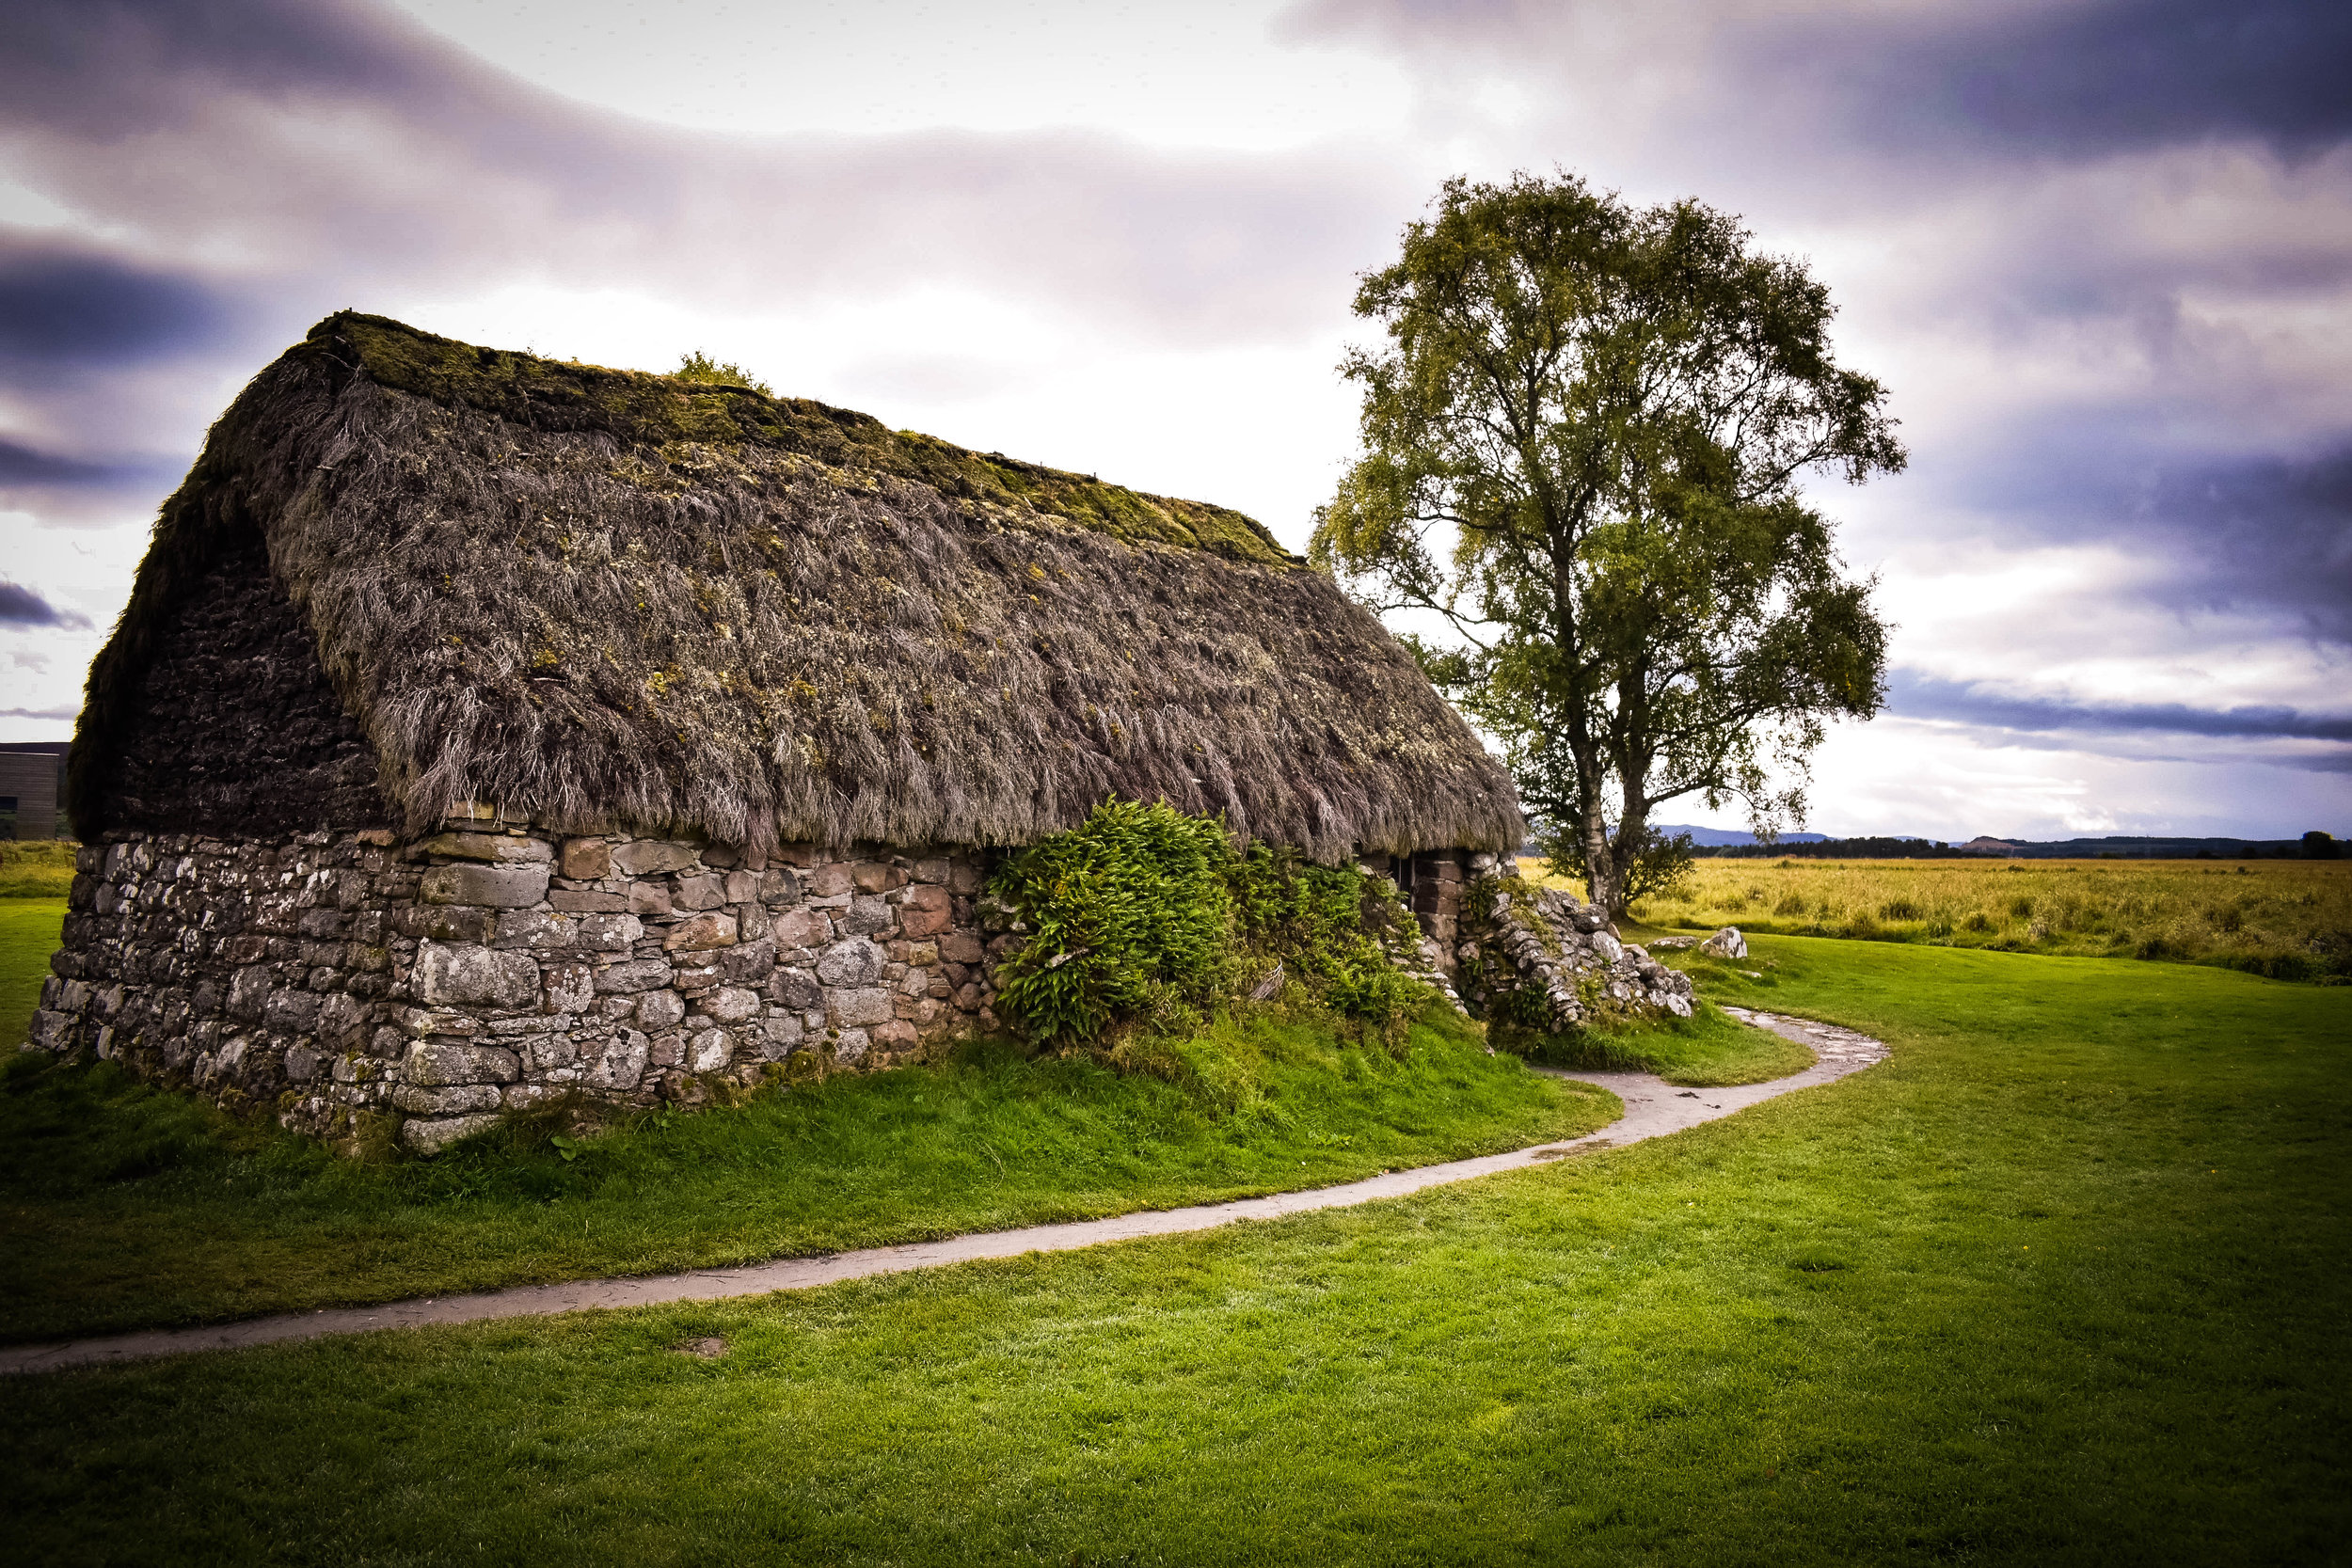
column 667, row 411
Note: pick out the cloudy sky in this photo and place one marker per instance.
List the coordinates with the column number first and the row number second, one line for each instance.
column 2102, row 254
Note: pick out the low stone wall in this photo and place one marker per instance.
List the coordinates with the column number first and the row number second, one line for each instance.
column 1546, row 960
column 494, row 965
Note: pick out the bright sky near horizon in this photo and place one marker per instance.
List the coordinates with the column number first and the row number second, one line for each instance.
column 2101, row 252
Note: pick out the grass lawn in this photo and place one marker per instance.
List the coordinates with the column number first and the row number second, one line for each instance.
column 28, row 934
column 1707, row 1049
column 123, row 1205
column 2063, row 1280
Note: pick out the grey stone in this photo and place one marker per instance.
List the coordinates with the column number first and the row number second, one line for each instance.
column 657, row 1011
column 846, row 1007
column 796, row 989
column 731, row 1005
column 622, row 1063
column 292, row 1012
column 249, row 994
column 1725, row 943
column 783, row 1033
column 450, row 976
column 570, row 988
column 704, row 930
column 443, row 1102
column 431, row 1135
column 708, row 1051
column 536, row 929
column 849, row 1046
column 854, row 962
column 498, row 887
column 779, row 887
column 865, row 913
column 497, row 847
column 582, row 901
column 633, row 975
column 610, row 933
column 706, row 891
column 438, row 1064
column 651, row 856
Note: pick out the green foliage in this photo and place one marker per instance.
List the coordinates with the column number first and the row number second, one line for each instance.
column 699, row 366
column 1648, row 864
column 1129, row 917
column 1144, row 915
column 1584, row 444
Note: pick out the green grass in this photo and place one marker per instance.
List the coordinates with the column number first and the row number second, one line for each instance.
column 28, row 934
column 2064, row 1280
column 36, row 868
column 1706, row 1050
column 125, row 1205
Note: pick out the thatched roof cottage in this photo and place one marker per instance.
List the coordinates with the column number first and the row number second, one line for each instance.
column 483, row 726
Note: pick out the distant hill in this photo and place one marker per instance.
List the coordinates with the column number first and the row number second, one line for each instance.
column 2315, row 845
column 1715, row 838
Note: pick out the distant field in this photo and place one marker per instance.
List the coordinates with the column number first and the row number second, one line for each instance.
column 2291, row 919
column 36, row 868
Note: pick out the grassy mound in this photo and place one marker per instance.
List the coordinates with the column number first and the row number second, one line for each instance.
column 122, row 1204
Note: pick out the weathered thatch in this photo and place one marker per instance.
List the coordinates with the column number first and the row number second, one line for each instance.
column 596, row 594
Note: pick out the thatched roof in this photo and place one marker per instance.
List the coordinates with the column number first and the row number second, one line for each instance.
column 598, row 594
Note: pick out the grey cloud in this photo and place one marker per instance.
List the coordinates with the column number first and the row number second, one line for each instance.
column 40, row 712
column 2232, row 532
column 2076, row 80
column 22, row 607
column 226, row 98
column 1915, row 695
column 27, row 468
column 60, row 304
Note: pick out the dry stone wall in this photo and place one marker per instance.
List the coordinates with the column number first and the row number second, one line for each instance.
column 1547, row 960
column 327, row 977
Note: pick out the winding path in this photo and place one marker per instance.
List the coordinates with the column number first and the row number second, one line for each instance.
column 1653, row 1108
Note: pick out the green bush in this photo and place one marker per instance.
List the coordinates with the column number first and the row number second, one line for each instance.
column 1127, row 912
column 1143, row 914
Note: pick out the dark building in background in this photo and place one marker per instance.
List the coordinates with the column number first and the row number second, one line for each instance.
column 32, row 789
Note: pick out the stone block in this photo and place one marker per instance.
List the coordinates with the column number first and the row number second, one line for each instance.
column 923, row 923
column 468, row 976
column 704, row 892
column 569, row 987
column 587, row 860
column 876, row 875
column 829, row 880
column 928, row 897
column 779, row 887
column 537, row 930
column 867, row 914
column 853, row 963
column 961, row 947
column 443, row 923
column 610, row 933
column 652, row 857
column 621, row 1063
column 648, row 898
column 339, row 1014
column 430, row 1135
column 704, row 930
column 849, row 1046
column 730, row 1005
column 583, row 901
column 248, row 992
column 783, row 1034
column 497, row 887
column 742, row 887
column 657, row 1011
column 796, row 989
column 633, row 975
column 321, row 924
column 498, row 849
column 802, row 929
column 418, row 1101
column 898, row 1035
column 709, row 1050
column 847, row 1007
column 438, row 1064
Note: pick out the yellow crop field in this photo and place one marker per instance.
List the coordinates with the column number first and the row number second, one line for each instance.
column 2291, row 919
